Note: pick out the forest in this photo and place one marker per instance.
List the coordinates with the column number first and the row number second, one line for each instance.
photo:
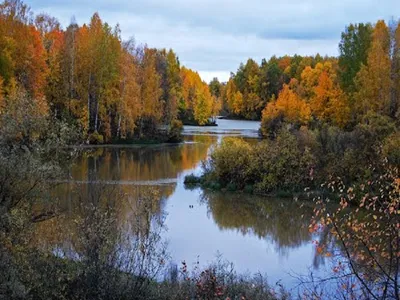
column 108, row 89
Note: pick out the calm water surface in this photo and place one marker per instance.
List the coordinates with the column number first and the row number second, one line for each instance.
column 256, row 234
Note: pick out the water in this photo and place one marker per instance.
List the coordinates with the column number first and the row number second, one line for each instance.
column 226, row 127
column 257, row 234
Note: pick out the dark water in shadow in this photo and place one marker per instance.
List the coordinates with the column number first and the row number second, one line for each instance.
column 257, row 234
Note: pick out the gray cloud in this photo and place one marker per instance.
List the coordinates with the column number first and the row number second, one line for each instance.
column 214, row 36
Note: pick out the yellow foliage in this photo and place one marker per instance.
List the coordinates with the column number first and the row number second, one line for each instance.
column 151, row 91
column 310, row 77
column 197, row 96
column 129, row 105
column 373, row 81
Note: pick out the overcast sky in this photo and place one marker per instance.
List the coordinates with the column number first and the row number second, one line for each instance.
column 214, row 36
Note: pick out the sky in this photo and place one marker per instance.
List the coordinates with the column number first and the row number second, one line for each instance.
column 214, row 36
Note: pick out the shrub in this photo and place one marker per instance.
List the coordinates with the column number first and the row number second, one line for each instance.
column 216, row 186
column 95, row 138
column 192, row 179
column 391, row 149
column 249, row 189
column 231, row 187
column 175, row 131
column 281, row 164
column 217, row 281
column 230, row 162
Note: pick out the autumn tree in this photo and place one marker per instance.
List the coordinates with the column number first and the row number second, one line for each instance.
column 395, row 69
column 168, row 67
column 129, row 106
column 320, row 88
column 22, row 60
column 234, row 98
column 53, row 43
column 247, row 81
column 150, row 92
column 288, row 108
column 199, row 104
column 373, row 82
column 329, row 103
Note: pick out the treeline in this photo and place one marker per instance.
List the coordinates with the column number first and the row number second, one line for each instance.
column 109, row 88
column 339, row 91
column 248, row 90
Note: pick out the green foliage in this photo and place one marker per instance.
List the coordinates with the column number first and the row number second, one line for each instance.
column 192, row 179
column 95, row 138
column 175, row 131
column 354, row 46
column 263, row 168
column 391, row 149
column 281, row 165
column 231, row 187
column 230, row 162
column 249, row 189
column 303, row 158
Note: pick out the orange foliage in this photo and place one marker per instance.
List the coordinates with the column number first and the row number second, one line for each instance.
column 290, row 106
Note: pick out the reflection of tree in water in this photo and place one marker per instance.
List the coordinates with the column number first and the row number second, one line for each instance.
column 149, row 163
column 285, row 222
column 131, row 207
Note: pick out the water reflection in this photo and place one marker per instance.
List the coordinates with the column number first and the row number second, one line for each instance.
column 285, row 222
column 151, row 164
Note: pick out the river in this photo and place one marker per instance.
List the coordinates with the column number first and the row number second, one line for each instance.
column 256, row 234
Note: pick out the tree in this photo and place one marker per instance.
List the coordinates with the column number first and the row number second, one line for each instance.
column 321, row 90
column 203, row 105
column 289, row 108
column 174, row 85
column 353, row 47
column 23, row 58
column 129, row 105
column 373, row 81
column 151, row 92
column 234, row 98
column 247, row 81
column 199, row 103
column 53, row 42
column 395, row 70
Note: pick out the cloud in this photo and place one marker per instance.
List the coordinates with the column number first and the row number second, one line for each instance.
column 214, row 36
